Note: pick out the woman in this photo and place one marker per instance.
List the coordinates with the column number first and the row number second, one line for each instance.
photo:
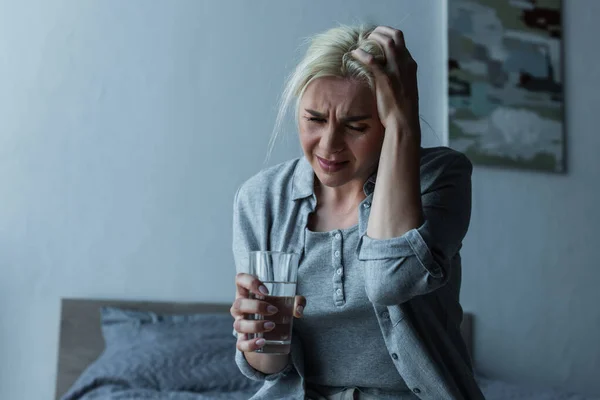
column 379, row 222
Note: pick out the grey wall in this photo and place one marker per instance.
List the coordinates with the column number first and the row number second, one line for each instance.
column 531, row 255
column 125, row 128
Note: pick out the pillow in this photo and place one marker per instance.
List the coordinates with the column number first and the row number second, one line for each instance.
column 167, row 353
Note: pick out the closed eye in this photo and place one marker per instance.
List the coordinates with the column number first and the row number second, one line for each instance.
column 323, row 120
column 357, row 128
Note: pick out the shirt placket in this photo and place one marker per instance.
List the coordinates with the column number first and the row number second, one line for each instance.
column 338, row 268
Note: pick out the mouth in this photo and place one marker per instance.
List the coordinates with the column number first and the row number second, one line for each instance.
column 331, row 165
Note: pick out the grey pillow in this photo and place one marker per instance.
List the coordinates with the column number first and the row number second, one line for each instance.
column 166, row 353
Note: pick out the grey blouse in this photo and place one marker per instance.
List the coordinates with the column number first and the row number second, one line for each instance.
column 340, row 327
column 411, row 281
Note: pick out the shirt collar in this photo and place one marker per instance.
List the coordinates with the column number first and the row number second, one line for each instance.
column 304, row 180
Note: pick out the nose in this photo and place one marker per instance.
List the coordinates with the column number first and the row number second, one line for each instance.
column 332, row 139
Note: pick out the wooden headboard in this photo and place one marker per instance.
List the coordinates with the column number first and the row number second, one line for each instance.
column 81, row 339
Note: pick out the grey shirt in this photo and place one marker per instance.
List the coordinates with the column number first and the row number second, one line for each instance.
column 411, row 281
column 340, row 327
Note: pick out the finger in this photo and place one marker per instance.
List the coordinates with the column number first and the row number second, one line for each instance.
column 250, row 283
column 398, row 58
column 391, row 51
column 250, row 345
column 247, row 326
column 386, row 42
column 299, row 304
column 395, row 34
column 363, row 56
column 382, row 35
column 240, row 291
column 369, row 61
column 394, row 47
column 251, row 306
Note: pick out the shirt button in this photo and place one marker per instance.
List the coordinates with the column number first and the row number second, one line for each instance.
column 339, row 271
column 338, row 236
column 367, row 205
column 385, row 315
column 339, row 292
column 394, row 356
column 337, row 253
column 417, row 390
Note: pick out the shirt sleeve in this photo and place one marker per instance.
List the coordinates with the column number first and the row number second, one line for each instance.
column 418, row 262
column 244, row 239
column 256, row 375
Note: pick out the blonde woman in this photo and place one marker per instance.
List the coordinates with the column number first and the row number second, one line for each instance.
column 378, row 221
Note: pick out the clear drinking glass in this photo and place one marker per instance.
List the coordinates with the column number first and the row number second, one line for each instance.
column 278, row 271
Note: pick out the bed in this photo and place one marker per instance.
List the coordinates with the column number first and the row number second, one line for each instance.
column 90, row 332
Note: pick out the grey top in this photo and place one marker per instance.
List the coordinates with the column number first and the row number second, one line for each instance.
column 411, row 281
column 340, row 317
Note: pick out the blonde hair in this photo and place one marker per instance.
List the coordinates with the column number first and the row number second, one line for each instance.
column 328, row 55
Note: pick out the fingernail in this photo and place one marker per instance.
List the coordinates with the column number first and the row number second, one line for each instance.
column 263, row 289
column 269, row 325
column 300, row 310
column 272, row 309
column 260, row 342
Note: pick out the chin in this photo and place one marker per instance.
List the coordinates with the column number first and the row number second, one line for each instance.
column 331, row 180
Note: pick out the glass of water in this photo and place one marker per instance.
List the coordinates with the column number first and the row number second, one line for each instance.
column 278, row 271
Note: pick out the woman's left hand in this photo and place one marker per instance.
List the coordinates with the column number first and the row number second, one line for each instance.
column 395, row 80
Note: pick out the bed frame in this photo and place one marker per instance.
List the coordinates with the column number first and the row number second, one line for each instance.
column 81, row 339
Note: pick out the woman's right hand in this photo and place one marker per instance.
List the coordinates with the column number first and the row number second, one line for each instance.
column 243, row 305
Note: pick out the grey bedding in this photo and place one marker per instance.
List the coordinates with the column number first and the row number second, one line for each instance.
column 112, row 393
column 191, row 357
column 175, row 357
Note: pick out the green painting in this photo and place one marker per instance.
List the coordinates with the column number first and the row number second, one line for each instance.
column 505, row 82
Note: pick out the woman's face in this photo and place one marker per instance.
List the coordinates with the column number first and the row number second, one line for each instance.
column 340, row 131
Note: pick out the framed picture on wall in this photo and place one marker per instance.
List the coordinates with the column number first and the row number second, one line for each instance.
column 505, row 82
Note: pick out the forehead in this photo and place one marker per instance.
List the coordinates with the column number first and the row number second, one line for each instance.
column 341, row 94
